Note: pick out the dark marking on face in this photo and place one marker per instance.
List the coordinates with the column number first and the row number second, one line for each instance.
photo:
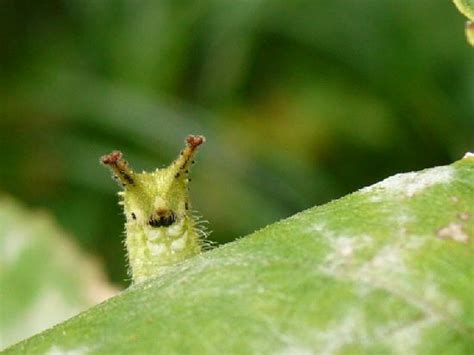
column 162, row 219
column 186, row 205
column 134, row 216
column 176, row 175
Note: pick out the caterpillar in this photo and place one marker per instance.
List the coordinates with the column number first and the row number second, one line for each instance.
column 160, row 228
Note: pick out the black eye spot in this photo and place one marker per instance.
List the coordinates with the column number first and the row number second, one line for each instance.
column 134, row 216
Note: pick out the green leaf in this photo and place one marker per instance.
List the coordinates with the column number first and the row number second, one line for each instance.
column 388, row 269
column 44, row 278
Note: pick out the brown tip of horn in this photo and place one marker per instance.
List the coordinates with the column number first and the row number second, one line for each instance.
column 195, row 141
column 111, row 158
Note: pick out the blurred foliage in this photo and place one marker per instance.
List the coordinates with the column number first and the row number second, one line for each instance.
column 44, row 278
column 301, row 102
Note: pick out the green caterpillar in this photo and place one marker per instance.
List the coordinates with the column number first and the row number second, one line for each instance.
column 160, row 228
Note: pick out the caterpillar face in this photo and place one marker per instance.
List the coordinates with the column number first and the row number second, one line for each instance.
column 160, row 229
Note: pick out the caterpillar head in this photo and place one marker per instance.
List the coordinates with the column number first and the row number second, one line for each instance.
column 157, row 199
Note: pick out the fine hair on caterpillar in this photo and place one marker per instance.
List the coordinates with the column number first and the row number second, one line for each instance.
column 161, row 230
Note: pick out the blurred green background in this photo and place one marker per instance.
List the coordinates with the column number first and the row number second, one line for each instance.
column 301, row 102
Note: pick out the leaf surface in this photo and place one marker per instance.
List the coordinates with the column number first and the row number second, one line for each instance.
column 44, row 277
column 388, row 269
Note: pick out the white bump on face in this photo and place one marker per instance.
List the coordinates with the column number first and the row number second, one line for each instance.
column 179, row 244
column 175, row 229
column 156, row 249
column 155, row 233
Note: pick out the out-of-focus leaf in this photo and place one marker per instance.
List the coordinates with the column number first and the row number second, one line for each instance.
column 385, row 270
column 44, row 278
